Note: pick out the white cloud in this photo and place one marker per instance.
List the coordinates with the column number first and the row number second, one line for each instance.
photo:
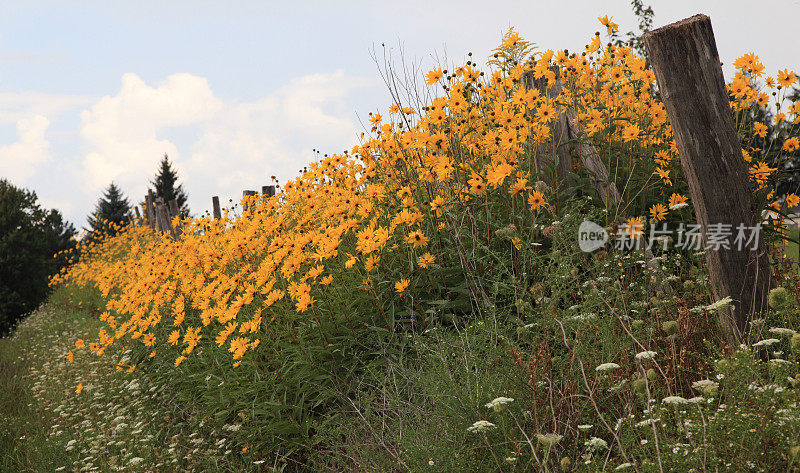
column 121, row 132
column 15, row 106
column 231, row 146
column 19, row 161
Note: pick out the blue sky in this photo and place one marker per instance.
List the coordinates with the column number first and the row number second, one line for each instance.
column 237, row 91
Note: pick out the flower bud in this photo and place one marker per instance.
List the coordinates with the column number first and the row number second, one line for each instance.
column 670, row 327
column 795, row 343
column 794, row 452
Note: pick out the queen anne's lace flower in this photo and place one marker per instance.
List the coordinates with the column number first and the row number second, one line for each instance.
column 782, row 331
column 645, row 355
column 675, row 400
column 548, row 440
column 607, row 367
column 719, row 304
column 596, row 443
column 499, row 404
column 481, row 426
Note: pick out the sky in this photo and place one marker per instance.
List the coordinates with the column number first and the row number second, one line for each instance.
column 235, row 92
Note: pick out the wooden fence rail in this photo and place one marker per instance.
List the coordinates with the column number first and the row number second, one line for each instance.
column 159, row 215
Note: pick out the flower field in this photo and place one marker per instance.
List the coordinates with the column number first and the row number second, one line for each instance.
column 420, row 303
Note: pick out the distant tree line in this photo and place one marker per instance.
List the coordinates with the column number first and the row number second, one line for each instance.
column 36, row 243
column 113, row 210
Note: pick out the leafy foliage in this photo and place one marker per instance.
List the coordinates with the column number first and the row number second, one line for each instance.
column 363, row 318
column 34, row 244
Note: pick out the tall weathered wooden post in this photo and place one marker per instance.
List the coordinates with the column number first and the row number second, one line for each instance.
column 217, row 211
column 686, row 64
column 177, row 230
column 150, row 202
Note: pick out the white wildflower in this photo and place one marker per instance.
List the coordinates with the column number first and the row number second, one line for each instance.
column 585, row 427
column 596, row 443
column 499, row 404
column 607, row 367
column 548, row 440
column 782, row 331
column 766, row 342
column 647, row 422
column 675, row 400
column 624, row 466
column 779, row 361
column 481, row 426
column 719, row 304
column 645, row 355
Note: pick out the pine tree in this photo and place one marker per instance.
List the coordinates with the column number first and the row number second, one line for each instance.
column 164, row 186
column 111, row 213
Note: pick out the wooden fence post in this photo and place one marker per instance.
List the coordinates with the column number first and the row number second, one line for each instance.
column 216, row 209
column 149, row 200
column 160, row 226
column 177, row 230
column 564, row 129
column 247, row 193
column 270, row 191
column 138, row 215
column 686, row 64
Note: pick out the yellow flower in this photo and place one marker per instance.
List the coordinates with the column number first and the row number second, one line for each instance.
column 79, row 388
column 791, row 144
column 786, row 78
column 70, row 356
column 536, row 200
column 760, row 129
column 631, row 132
column 401, row 285
column 676, row 199
column 792, row 200
column 498, row 172
column 634, row 227
column 658, row 211
column 664, row 175
column 417, row 238
column 433, row 76
column 426, row 260
column 606, row 21
column 476, row 185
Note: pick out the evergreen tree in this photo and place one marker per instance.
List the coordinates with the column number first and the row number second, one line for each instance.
column 164, row 186
column 29, row 237
column 111, row 213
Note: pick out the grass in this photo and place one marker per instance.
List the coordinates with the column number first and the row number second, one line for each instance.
column 25, row 443
column 793, row 250
column 118, row 422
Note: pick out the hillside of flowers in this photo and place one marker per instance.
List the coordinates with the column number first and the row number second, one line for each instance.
column 420, row 303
